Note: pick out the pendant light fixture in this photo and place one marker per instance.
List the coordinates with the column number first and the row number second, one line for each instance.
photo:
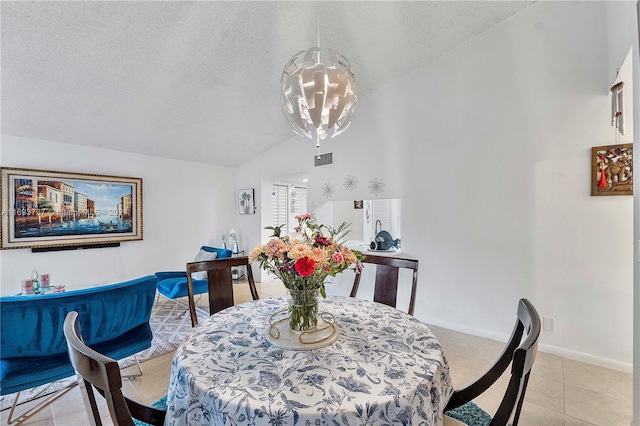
column 318, row 99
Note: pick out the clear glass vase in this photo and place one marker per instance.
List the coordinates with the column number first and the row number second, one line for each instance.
column 303, row 310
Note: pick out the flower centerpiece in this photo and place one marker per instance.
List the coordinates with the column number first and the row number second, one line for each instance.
column 303, row 261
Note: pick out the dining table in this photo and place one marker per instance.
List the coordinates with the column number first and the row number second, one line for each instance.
column 382, row 366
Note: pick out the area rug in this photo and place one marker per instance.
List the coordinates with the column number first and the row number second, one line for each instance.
column 161, row 403
column 170, row 323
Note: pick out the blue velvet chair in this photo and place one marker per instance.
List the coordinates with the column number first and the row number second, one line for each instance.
column 33, row 349
column 173, row 284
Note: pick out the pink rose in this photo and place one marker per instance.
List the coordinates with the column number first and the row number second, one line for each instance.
column 338, row 258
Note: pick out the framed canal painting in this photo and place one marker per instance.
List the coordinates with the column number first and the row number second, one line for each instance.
column 42, row 208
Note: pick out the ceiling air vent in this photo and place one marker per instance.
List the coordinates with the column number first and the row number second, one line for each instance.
column 323, row 160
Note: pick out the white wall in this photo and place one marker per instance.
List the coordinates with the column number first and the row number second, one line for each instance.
column 489, row 148
column 185, row 205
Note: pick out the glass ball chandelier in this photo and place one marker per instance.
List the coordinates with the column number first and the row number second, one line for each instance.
column 318, row 99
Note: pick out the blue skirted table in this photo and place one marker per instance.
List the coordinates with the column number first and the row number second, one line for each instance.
column 386, row 367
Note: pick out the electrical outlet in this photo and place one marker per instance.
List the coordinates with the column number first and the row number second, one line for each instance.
column 549, row 323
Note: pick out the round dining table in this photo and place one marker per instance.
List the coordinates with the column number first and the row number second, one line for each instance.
column 385, row 367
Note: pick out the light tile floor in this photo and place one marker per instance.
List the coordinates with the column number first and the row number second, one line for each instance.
column 560, row 392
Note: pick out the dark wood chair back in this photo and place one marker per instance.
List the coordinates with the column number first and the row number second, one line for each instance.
column 520, row 351
column 386, row 284
column 97, row 371
column 220, row 281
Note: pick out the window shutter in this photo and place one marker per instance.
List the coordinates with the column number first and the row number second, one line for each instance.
column 279, row 205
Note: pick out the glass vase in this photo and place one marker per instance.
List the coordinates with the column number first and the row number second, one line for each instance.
column 303, row 310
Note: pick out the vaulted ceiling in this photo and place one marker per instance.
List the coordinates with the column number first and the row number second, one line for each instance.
column 200, row 81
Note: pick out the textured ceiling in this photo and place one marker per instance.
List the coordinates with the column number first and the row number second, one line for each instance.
column 200, row 81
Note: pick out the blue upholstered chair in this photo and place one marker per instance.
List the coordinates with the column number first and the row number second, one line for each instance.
column 173, row 284
column 33, row 350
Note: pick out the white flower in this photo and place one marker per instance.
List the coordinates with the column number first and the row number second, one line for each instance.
column 308, row 233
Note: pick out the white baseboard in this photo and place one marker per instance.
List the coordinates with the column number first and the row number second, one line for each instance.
column 479, row 332
column 588, row 358
column 555, row 350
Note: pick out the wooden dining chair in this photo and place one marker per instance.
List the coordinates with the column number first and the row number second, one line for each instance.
column 220, row 280
column 95, row 370
column 519, row 352
column 386, row 281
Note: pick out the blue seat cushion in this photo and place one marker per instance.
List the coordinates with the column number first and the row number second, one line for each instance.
column 177, row 287
column 46, row 369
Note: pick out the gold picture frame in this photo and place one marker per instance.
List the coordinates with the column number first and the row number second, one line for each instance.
column 43, row 208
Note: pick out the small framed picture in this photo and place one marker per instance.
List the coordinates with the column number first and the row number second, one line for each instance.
column 246, row 202
column 612, row 170
column 358, row 204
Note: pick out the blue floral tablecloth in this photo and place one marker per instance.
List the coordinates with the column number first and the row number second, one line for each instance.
column 386, row 368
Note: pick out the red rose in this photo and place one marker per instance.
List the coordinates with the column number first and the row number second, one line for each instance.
column 305, row 266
